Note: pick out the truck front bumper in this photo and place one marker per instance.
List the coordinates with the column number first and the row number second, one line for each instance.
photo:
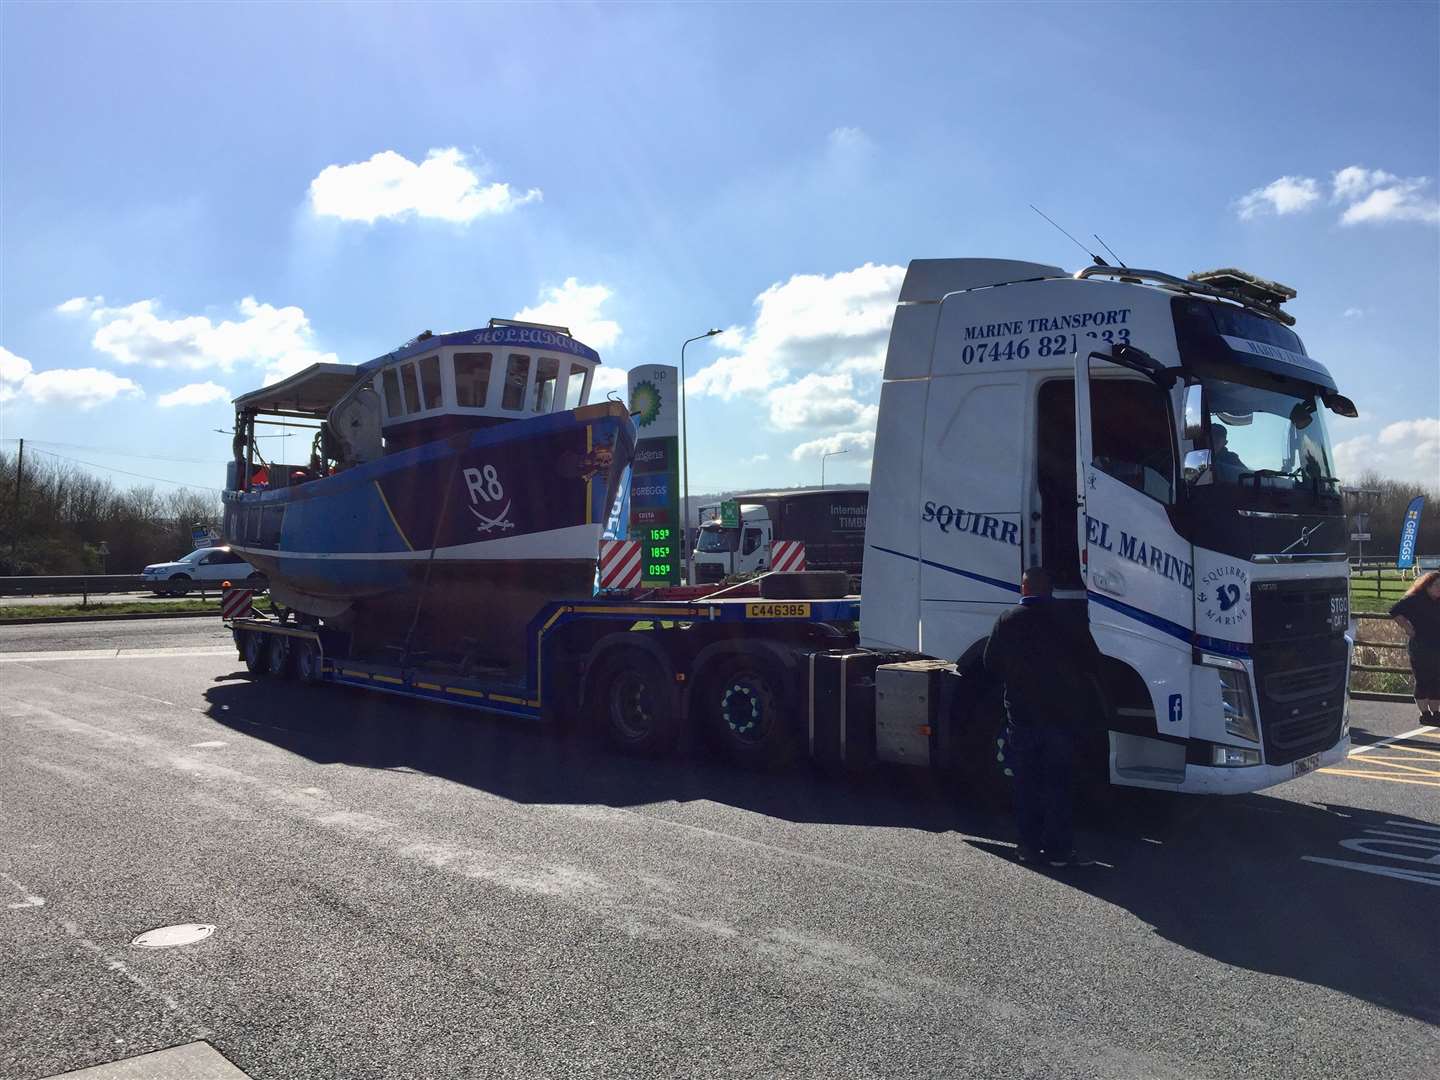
column 1237, row 780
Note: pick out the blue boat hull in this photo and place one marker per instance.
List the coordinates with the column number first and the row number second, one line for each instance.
column 467, row 535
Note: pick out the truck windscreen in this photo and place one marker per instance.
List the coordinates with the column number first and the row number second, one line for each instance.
column 1268, row 441
column 713, row 538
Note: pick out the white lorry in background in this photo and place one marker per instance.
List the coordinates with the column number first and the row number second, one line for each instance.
column 1159, row 445
column 830, row 522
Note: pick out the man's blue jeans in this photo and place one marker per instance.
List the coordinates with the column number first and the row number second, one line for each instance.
column 1042, row 756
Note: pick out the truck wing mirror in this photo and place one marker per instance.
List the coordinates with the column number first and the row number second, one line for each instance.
column 1340, row 405
column 1196, row 468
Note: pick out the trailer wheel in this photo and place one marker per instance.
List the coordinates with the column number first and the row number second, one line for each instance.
column 256, row 649
column 745, row 705
column 278, row 657
column 633, row 702
column 306, row 660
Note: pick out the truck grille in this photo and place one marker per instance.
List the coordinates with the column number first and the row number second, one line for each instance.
column 1301, row 702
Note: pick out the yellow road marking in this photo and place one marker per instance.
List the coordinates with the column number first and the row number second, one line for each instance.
column 1381, row 776
column 1396, row 763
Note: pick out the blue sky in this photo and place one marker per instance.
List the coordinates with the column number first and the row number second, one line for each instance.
column 171, row 234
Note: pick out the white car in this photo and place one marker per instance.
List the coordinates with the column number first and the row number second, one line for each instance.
column 207, row 566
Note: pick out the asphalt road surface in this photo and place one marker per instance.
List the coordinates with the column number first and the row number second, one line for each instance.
column 404, row 891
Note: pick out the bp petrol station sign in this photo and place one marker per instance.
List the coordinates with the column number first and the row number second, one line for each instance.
column 655, row 473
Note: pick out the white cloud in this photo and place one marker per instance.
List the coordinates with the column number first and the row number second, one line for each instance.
column 1403, row 200
column 607, row 377
column 1287, row 195
column 445, row 186
column 1353, row 181
column 756, row 459
column 80, row 303
column 84, row 388
column 576, row 307
column 14, row 370
column 200, row 393
column 278, row 340
column 816, row 400
column 1404, row 450
column 1353, row 313
column 830, row 444
column 812, row 322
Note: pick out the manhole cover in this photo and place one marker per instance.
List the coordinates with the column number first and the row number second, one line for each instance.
column 166, row 937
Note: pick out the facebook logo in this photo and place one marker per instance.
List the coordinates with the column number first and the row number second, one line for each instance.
column 1176, row 711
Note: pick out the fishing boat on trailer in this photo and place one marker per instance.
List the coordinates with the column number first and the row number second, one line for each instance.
column 452, row 486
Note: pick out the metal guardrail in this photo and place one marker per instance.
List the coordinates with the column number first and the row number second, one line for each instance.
column 70, row 584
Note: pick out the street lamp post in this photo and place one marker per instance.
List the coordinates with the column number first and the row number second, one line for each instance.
column 685, row 456
column 832, row 453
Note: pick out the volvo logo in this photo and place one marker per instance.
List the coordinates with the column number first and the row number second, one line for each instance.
column 1304, row 539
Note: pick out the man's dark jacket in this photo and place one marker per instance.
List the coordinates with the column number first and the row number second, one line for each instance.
column 1043, row 654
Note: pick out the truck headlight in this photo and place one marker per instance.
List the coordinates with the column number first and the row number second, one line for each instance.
column 1239, row 707
column 1231, row 757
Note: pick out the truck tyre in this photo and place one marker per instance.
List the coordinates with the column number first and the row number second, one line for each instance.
column 306, row 660
column 257, row 652
column 633, row 702
column 804, row 585
column 745, row 707
column 179, row 585
column 278, row 657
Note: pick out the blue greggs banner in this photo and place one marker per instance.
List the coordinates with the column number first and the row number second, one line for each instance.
column 1410, row 533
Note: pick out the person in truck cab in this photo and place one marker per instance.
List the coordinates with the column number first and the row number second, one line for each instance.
column 1046, row 664
column 1221, row 454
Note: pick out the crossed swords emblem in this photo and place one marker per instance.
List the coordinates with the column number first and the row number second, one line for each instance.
column 499, row 521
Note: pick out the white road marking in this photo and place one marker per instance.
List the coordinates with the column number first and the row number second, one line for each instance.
column 115, row 654
column 1424, row 877
column 1422, row 729
column 207, row 743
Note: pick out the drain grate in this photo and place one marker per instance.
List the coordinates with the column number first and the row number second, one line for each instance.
column 167, row 937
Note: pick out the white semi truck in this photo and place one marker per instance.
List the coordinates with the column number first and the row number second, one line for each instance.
column 830, row 522
column 1157, row 443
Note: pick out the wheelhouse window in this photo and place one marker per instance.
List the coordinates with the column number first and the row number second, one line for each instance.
column 393, row 404
column 472, row 379
column 430, row 382
column 517, row 376
column 547, row 374
column 412, row 390
column 575, row 387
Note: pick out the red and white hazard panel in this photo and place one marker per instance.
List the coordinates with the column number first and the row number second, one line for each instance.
column 619, row 564
column 787, row 555
column 237, row 603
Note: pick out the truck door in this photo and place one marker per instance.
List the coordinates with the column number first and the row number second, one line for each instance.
column 1138, row 571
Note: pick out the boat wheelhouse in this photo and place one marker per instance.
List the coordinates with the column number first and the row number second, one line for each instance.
column 449, row 483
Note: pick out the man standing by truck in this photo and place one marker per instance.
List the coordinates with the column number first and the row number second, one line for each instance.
column 1045, row 664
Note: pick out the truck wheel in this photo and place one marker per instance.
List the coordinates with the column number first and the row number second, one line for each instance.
column 278, row 657
column 306, row 660
column 746, row 710
column 179, row 585
column 633, row 702
column 257, row 652
column 804, row 585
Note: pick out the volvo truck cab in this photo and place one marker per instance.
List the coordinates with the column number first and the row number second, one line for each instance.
column 1159, row 444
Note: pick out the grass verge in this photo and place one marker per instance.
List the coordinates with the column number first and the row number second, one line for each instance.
column 139, row 607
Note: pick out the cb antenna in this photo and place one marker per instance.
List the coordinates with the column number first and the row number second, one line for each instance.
column 1098, row 261
column 1112, row 254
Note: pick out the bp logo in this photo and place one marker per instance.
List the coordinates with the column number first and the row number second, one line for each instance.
column 645, row 403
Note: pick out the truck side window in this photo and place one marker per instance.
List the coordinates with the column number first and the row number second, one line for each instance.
column 751, row 541
column 1131, row 435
